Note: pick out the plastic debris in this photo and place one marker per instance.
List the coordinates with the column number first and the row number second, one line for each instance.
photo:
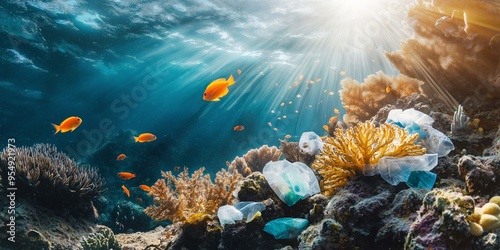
column 291, row 181
column 430, row 138
column 228, row 215
column 286, row 228
column 401, row 169
column 310, row 143
column 250, row 208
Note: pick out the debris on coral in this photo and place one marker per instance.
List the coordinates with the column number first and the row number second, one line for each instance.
column 345, row 154
column 190, row 199
column 254, row 160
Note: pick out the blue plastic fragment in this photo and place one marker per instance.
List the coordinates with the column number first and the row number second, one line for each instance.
column 421, row 179
column 286, row 228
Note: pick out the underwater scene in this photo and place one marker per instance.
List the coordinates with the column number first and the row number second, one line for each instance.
column 217, row 124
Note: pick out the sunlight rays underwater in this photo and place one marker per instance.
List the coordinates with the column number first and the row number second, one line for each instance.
column 290, row 67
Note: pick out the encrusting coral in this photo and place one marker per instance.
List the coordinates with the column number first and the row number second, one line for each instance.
column 191, row 199
column 345, row 154
column 51, row 177
column 364, row 100
column 254, row 160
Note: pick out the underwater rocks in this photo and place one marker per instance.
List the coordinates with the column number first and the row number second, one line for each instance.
column 480, row 174
column 129, row 217
column 293, row 153
column 442, row 221
column 42, row 228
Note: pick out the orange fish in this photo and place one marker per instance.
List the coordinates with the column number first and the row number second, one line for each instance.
column 288, row 136
column 145, row 137
column 336, row 111
column 238, row 128
column 342, row 73
column 325, row 127
column 126, row 175
column 217, row 89
column 145, row 188
column 333, row 119
column 388, row 89
column 125, row 190
column 70, row 124
column 121, row 157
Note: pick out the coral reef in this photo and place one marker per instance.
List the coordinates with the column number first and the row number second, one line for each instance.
column 52, row 178
column 363, row 100
column 345, row 154
column 455, row 51
column 293, row 153
column 485, row 218
column 190, row 199
column 254, row 160
column 480, row 174
column 442, row 221
column 102, row 239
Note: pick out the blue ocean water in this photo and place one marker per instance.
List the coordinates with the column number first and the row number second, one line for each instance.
column 127, row 67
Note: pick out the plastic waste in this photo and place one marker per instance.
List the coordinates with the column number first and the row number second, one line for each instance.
column 229, row 215
column 291, row 181
column 250, row 208
column 430, row 138
column 286, row 228
column 311, row 143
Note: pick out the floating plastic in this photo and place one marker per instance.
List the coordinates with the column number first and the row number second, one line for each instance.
column 399, row 169
column 286, row 228
column 310, row 143
column 250, row 208
column 421, row 179
column 228, row 215
column 291, row 181
column 414, row 122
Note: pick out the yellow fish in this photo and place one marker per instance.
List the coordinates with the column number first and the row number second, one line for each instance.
column 336, row 111
column 217, row 89
column 325, row 127
column 388, row 89
column 70, row 124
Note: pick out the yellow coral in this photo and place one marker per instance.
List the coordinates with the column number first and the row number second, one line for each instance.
column 345, row 154
column 188, row 200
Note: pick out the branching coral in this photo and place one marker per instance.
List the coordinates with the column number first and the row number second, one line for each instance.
column 362, row 101
column 52, row 177
column 254, row 160
column 189, row 199
column 345, row 154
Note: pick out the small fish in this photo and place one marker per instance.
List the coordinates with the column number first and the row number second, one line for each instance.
column 145, row 137
column 330, row 93
column 238, row 128
column 125, row 190
column 301, row 77
column 333, row 119
column 121, row 157
column 288, row 136
column 218, row 89
column 177, row 168
column 388, row 89
column 325, row 127
column 336, row 111
column 145, row 188
column 342, row 73
column 239, row 71
column 70, row 124
column 269, row 124
column 126, row 175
